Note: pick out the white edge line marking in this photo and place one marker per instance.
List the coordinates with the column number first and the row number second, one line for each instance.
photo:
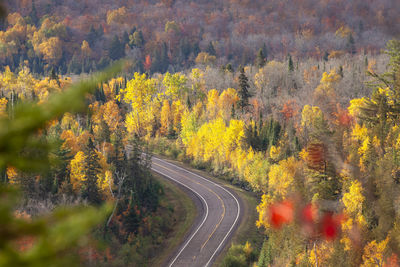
column 204, row 220
column 237, row 202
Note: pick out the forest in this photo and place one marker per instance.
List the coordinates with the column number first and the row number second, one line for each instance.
column 303, row 111
column 174, row 35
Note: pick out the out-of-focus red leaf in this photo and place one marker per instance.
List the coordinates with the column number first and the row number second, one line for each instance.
column 330, row 225
column 309, row 213
column 281, row 213
column 326, row 225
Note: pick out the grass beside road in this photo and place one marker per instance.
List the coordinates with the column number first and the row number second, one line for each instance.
column 184, row 213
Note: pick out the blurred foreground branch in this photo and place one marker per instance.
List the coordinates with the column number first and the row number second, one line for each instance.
column 51, row 240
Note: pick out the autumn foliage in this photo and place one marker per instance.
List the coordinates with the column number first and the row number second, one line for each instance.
column 323, row 159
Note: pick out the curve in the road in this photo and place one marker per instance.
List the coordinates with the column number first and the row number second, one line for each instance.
column 198, row 228
column 221, row 215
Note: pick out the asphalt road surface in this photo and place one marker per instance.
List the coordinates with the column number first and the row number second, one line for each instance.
column 218, row 216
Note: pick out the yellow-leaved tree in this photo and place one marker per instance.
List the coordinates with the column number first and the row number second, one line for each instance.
column 77, row 170
column 212, row 104
column 374, row 253
column 209, row 140
column 177, row 110
column 226, row 102
column 166, row 121
column 117, row 16
column 3, row 106
column 139, row 93
column 232, row 138
column 326, row 88
column 282, row 182
column 111, row 115
column 190, row 126
column 353, row 201
column 174, row 85
column 282, row 177
column 86, row 50
column 51, row 50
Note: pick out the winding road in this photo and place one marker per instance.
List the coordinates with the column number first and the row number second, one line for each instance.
column 218, row 216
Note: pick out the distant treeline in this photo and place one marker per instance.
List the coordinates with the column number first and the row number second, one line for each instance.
column 168, row 35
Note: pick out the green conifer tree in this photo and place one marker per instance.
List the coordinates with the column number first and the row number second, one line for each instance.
column 33, row 14
column 341, row 71
column 265, row 258
column 229, row 67
column 351, row 48
column 260, row 59
column 290, row 64
column 92, row 169
column 211, row 50
column 116, row 49
column 243, row 91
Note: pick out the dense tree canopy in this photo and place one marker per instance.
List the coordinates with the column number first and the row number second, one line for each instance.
column 48, row 34
column 312, row 127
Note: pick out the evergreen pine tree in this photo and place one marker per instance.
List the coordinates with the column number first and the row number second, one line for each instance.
column 33, row 14
column 260, row 59
column 131, row 220
column 99, row 94
column 104, row 133
column 351, row 48
column 265, row 258
column 132, row 164
column 275, row 132
column 133, row 30
column 265, row 51
column 290, row 64
column 92, row 169
column 393, row 74
column 184, row 50
column 54, row 76
column 91, row 36
column 164, row 58
column 125, row 83
column 196, row 49
column 100, row 32
column 229, row 67
column 156, row 62
column 326, row 56
column 136, row 39
column 35, row 66
column 243, row 92
column 261, row 259
column 116, row 49
column 233, row 112
column 3, row 175
column 210, row 49
column 125, row 39
column 118, row 157
column 188, row 102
